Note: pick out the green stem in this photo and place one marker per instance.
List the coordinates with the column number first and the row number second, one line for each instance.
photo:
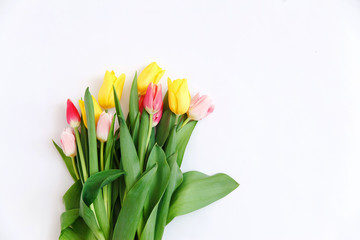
column 81, row 154
column 185, row 122
column 176, row 119
column 102, row 156
column 149, row 132
column 105, row 193
column 75, row 168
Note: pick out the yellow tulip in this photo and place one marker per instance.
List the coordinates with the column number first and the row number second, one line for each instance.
column 97, row 110
column 106, row 94
column 178, row 96
column 151, row 74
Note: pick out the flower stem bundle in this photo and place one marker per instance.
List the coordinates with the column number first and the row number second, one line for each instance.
column 128, row 182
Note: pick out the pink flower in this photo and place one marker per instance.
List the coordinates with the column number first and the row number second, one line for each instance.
column 103, row 126
column 153, row 99
column 200, row 107
column 72, row 115
column 156, row 116
column 67, row 140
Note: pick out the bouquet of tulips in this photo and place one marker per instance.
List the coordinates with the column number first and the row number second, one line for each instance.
column 128, row 182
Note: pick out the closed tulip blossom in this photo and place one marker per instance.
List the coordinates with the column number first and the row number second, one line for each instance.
column 67, row 140
column 151, row 74
column 156, row 116
column 178, row 96
column 72, row 115
column 103, row 126
column 106, row 94
column 200, row 107
column 153, row 99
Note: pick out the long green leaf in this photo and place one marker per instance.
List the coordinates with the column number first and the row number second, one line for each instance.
column 68, row 217
column 182, row 138
column 72, row 196
column 165, row 125
column 69, row 234
column 133, row 102
column 90, row 194
column 94, row 183
column 130, row 213
column 143, row 134
column 67, row 160
column 163, row 209
column 110, row 145
column 129, row 158
column 90, row 117
column 80, row 227
column 156, row 192
column 199, row 190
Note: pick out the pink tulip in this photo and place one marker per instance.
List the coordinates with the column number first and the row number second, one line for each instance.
column 200, row 107
column 72, row 115
column 153, row 99
column 67, row 140
column 103, row 126
column 156, row 116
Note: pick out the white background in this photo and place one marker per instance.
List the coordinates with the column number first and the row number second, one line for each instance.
column 283, row 74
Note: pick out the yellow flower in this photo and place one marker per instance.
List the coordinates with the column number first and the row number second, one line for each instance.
column 97, row 110
column 178, row 96
column 106, row 94
column 151, row 74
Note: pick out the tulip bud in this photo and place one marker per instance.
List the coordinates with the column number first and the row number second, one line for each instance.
column 153, row 99
column 67, row 140
column 72, row 115
column 97, row 110
column 178, row 96
column 106, row 94
column 103, row 126
column 200, row 107
column 151, row 74
column 156, row 116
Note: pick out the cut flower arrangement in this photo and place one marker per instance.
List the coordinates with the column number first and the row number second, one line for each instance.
column 128, row 182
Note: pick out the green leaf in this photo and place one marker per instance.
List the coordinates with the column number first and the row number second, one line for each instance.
column 119, row 112
column 84, row 142
column 143, row 133
column 72, row 196
column 90, row 194
column 182, row 138
column 133, row 102
column 170, row 147
column 199, row 190
column 165, row 125
column 109, row 146
column 135, row 129
column 69, row 234
column 94, row 183
column 68, row 217
column 90, row 117
column 67, row 160
column 80, row 227
column 156, row 191
column 89, row 217
column 158, row 186
column 129, row 158
column 163, row 209
column 130, row 213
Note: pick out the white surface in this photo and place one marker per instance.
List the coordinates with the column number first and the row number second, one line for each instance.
column 284, row 76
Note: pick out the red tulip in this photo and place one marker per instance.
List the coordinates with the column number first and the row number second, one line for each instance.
column 153, row 99
column 72, row 115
